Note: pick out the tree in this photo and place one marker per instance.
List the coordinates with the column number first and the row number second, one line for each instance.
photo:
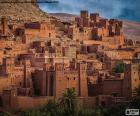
column 119, row 68
column 51, row 108
column 69, row 103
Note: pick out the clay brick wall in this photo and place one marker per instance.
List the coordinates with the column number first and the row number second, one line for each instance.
column 24, row 103
column 84, row 33
column 127, row 90
column 83, row 79
column 4, row 82
column 95, row 89
column 18, row 75
column 132, row 78
column 104, row 23
column 119, row 54
column 97, row 33
column 70, row 51
column 86, row 22
column 40, row 82
column 72, row 80
column 30, row 102
column 79, row 21
column 88, row 102
column 45, row 31
column 67, row 79
column 113, row 86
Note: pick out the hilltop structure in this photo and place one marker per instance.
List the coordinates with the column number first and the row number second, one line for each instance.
column 94, row 28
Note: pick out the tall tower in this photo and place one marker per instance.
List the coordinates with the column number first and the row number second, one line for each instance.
column 85, row 18
column 131, row 79
column 26, row 72
column 48, row 80
column 27, row 81
column 83, row 86
column 84, row 14
column 8, row 64
column 60, row 82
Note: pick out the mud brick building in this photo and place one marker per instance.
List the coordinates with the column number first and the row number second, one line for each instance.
column 39, row 61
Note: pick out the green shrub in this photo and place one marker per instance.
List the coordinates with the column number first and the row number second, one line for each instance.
column 119, row 68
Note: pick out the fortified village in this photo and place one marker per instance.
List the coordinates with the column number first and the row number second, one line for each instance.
column 40, row 60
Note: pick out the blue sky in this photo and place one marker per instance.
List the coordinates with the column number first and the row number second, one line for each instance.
column 126, row 9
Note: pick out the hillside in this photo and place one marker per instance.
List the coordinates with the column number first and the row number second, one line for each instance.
column 131, row 30
column 22, row 11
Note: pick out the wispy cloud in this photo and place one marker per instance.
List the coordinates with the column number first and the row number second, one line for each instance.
column 128, row 9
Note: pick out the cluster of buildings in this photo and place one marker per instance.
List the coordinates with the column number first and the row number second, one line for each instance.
column 40, row 60
column 95, row 28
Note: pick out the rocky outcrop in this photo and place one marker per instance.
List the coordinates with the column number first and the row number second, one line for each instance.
column 18, row 11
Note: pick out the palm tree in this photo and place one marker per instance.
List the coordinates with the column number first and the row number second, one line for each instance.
column 69, row 102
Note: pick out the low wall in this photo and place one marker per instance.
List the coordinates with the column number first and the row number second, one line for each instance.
column 17, row 103
column 88, row 102
column 36, row 102
column 31, row 102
